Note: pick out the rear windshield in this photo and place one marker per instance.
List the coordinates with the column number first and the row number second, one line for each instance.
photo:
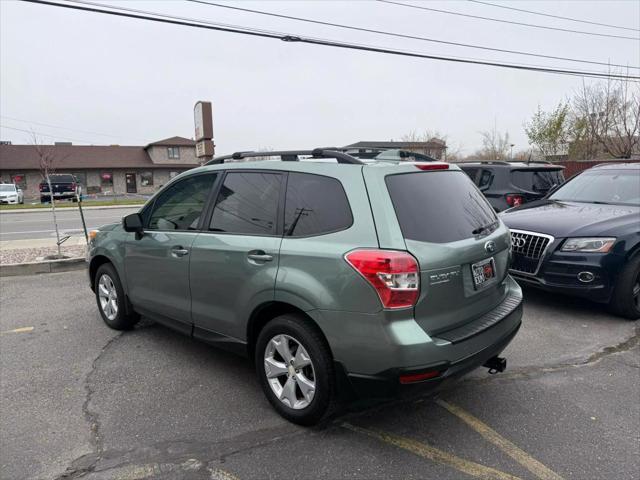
column 537, row 180
column 61, row 178
column 439, row 206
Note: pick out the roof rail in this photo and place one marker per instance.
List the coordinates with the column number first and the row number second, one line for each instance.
column 291, row 156
column 495, row 162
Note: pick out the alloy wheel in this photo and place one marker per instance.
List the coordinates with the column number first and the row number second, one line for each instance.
column 290, row 371
column 635, row 292
column 108, row 296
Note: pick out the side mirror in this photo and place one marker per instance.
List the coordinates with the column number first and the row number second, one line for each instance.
column 133, row 223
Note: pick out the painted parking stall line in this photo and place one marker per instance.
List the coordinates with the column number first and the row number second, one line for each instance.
column 523, row 458
column 18, row 330
column 434, row 454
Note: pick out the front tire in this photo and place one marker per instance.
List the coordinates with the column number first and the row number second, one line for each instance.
column 295, row 369
column 626, row 295
column 111, row 299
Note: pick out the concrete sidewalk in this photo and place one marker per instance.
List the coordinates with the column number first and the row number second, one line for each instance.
column 40, row 243
column 40, row 210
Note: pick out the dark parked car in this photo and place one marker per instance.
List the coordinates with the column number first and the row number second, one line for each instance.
column 65, row 187
column 510, row 184
column 584, row 239
column 337, row 279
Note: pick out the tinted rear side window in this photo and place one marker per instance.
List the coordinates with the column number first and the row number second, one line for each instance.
column 537, row 180
column 438, row 207
column 315, row 205
column 248, row 204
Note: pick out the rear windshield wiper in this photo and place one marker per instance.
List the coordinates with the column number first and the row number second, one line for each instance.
column 489, row 227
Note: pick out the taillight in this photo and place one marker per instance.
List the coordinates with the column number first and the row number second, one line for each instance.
column 514, row 200
column 73, row 186
column 41, row 187
column 432, row 166
column 394, row 275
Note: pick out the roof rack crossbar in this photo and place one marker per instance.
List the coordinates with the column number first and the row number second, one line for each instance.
column 291, row 156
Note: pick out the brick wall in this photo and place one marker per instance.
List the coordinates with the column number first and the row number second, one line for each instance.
column 572, row 167
column 93, row 183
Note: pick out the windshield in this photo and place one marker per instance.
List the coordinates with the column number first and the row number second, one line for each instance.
column 7, row 188
column 619, row 187
column 537, row 180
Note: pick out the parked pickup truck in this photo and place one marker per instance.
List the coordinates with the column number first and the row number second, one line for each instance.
column 65, row 187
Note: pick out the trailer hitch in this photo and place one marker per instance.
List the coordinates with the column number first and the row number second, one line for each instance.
column 496, row 365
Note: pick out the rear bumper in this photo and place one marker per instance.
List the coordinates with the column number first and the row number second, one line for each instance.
column 373, row 351
column 386, row 384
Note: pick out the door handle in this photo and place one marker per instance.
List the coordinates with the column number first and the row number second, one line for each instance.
column 178, row 252
column 259, row 256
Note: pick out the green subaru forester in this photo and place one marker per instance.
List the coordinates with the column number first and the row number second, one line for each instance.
column 339, row 278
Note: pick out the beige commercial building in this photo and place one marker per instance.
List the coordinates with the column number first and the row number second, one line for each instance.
column 100, row 169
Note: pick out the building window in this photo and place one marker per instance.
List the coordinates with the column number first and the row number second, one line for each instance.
column 20, row 179
column 173, row 152
column 146, row 179
column 106, row 179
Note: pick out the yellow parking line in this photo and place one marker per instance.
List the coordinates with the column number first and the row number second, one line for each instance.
column 19, row 330
column 435, row 455
column 519, row 455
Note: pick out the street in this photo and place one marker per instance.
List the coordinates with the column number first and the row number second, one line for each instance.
column 34, row 225
column 81, row 400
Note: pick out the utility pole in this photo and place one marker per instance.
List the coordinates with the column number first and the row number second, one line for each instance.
column 512, row 145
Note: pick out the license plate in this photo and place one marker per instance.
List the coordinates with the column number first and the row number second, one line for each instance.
column 483, row 271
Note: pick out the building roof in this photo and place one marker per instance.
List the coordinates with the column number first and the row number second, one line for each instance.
column 433, row 143
column 67, row 157
column 173, row 142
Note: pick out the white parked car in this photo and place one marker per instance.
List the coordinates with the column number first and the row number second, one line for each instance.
column 10, row 193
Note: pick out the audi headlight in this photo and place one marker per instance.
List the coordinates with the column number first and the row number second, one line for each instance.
column 589, row 245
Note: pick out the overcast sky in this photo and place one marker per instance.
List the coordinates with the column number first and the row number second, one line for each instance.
column 110, row 80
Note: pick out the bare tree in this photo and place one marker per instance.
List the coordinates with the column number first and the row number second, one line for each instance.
column 610, row 114
column 495, row 145
column 47, row 160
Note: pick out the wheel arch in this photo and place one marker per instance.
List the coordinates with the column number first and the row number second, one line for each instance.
column 266, row 312
column 95, row 263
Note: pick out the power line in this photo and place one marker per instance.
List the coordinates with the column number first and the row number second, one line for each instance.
column 330, row 43
column 44, row 134
column 411, row 37
column 542, row 14
column 545, row 27
column 65, row 128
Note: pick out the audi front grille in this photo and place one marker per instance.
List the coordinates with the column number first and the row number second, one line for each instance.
column 528, row 251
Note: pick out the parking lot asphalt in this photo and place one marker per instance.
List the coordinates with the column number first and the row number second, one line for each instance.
column 28, row 225
column 81, row 400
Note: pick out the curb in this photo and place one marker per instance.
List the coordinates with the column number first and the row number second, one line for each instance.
column 35, row 268
column 44, row 210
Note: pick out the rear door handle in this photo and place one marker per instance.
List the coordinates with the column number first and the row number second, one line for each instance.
column 259, row 256
column 179, row 251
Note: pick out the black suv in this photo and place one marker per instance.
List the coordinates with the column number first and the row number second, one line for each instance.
column 510, row 184
column 584, row 238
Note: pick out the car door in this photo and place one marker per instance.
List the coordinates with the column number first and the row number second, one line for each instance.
column 157, row 263
column 234, row 261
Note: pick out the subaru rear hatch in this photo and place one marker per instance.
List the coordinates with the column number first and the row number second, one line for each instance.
column 444, row 221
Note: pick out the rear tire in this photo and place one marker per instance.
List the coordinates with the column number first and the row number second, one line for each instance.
column 301, row 382
column 111, row 299
column 625, row 300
